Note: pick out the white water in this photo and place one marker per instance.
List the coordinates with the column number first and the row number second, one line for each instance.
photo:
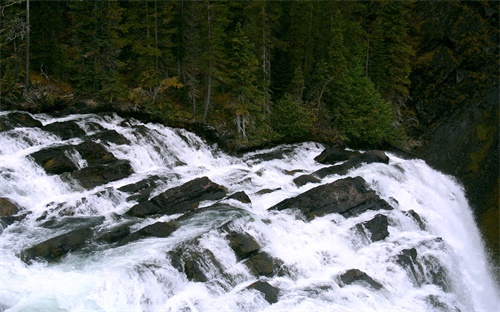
column 139, row 276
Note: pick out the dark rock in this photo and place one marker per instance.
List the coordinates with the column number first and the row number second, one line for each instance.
column 115, row 235
column 17, row 119
column 8, row 220
column 332, row 155
column 263, row 264
column 73, row 223
column 377, row 227
column 141, row 185
column 94, row 153
column 240, row 196
column 199, row 264
column 54, row 248
column 8, row 207
column 55, row 160
column 143, row 209
column 270, row 293
column 141, row 190
column 182, row 198
column 415, row 216
column 267, row 191
column 94, row 176
column 243, row 245
column 354, row 162
column 158, row 229
column 304, row 179
column 110, row 136
column 347, row 196
column 356, row 276
column 408, row 260
column 65, row 130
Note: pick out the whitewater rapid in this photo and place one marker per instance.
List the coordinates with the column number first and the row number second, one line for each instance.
column 140, row 277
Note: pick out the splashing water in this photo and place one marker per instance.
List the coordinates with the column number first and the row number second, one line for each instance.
column 451, row 270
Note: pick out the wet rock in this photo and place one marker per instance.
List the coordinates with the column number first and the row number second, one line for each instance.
column 270, row 293
column 354, row 162
column 180, row 199
column 416, row 217
column 407, row 258
column 141, row 190
column 8, row 207
column 243, row 245
column 304, row 179
column 348, row 197
column 17, row 119
column 332, row 155
column 355, row 276
column 240, row 196
column 94, row 153
column 199, row 264
column 263, row 264
column 55, row 160
column 377, row 227
column 65, row 130
column 158, row 229
column 267, row 191
column 110, row 136
column 73, row 222
column 54, row 248
column 91, row 177
column 143, row 209
column 115, row 235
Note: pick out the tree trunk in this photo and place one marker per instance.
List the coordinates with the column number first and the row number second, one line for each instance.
column 27, row 77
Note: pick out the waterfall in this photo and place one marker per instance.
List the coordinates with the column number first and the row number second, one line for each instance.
column 432, row 257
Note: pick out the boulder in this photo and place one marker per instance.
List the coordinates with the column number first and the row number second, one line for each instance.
column 348, row 197
column 158, row 229
column 263, row 264
column 243, row 245
column 54, row 248
column 240, row 196
column 55, row 160
column 73, row 223
column 94, row 153
column 270, row 293
column 332, row 155
column 407, row 258
column 91, row 177
column 17, row 119
column 8, row 207
column 65, row 130
column 199, row 264
column 354, row 162
column 141, row 190
column 355, row 276
column 304, row 179
column 110, row 136
column 377, row 227
column 115, row 235
column 416, row 217
column 180, row 199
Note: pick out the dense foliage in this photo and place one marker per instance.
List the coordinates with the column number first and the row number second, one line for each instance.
column 266, row 70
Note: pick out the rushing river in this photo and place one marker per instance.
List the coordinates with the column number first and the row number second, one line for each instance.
column 139, row 276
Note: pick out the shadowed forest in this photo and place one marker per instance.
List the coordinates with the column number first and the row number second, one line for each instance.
column 363, row 73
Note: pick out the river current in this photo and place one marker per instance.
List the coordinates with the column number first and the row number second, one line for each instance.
column 139, row 276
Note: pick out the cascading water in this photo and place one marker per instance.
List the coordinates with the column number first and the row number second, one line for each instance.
column 432, row 262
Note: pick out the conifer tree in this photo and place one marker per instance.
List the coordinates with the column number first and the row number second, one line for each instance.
column 241, row 81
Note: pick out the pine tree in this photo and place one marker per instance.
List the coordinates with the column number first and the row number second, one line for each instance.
column 390, row 61
column 96, row 40
column 241, row 81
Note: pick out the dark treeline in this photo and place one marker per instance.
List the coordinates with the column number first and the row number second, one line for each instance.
column 357, row 72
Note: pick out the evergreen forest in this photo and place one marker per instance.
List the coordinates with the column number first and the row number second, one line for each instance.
column 366, row 73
